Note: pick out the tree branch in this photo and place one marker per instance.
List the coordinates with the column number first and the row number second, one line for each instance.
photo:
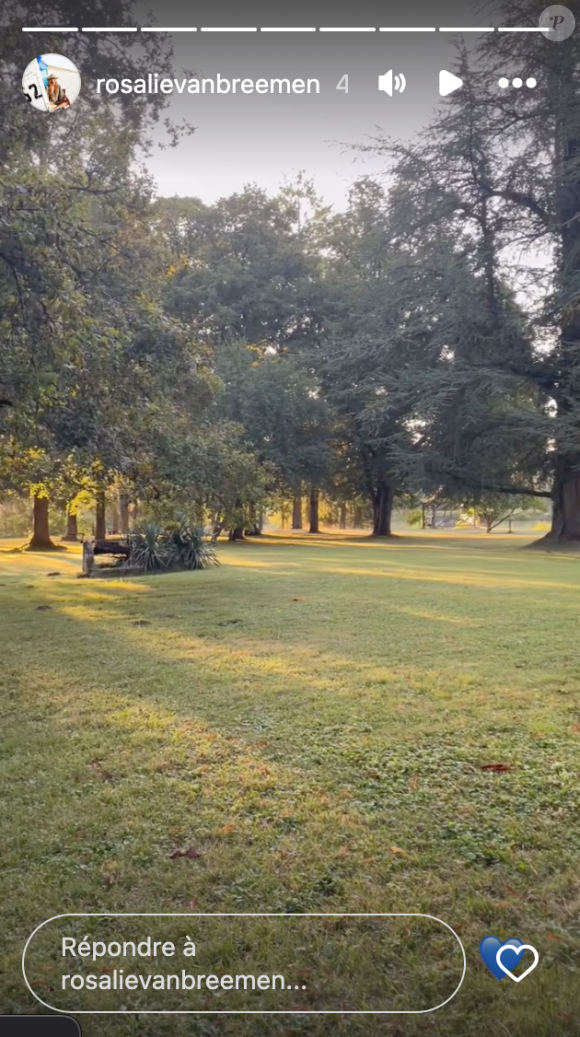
column 526, row 201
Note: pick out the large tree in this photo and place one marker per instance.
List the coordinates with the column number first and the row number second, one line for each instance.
column 383, row 339
column 513, row 212
column 287, row 422
column 74, row 250
column 247, row 267
column 246, row 279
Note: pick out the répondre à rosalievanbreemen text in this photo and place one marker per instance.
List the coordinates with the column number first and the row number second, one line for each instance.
column 118, row 979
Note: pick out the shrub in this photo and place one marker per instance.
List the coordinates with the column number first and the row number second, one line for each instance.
column 415, row 518
column 148, row 548
column 190, row 547
column 181, row 546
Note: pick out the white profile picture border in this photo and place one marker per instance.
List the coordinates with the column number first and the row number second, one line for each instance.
column 51, row 82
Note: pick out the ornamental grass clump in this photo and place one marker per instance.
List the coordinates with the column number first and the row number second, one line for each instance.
column 181, row 546
column 190, row 546
column 148, row 546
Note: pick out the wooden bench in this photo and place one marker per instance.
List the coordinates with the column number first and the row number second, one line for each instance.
column 111, row 547
column 102, row 547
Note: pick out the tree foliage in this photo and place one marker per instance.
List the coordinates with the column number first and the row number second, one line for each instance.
column 422, row 344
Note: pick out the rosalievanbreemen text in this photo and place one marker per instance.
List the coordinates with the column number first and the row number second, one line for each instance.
column 153, row 83
column 117, row 980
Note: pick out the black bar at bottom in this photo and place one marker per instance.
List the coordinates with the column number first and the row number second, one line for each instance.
column 39, row 1026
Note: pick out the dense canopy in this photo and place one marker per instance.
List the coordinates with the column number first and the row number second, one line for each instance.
column 421, row 344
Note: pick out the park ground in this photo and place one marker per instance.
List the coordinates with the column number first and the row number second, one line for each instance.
column 333, row 724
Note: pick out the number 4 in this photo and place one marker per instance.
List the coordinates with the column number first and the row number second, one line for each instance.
column 343, row 84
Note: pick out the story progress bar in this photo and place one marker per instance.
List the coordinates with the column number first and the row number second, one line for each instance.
column 242, row 28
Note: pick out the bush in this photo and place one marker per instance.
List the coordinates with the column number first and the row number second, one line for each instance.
column 190, row 547
column 148, row 548
column 415, row 518
column 181, row 546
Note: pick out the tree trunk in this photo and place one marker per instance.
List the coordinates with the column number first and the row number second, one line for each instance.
column 383, row 499
column 124, row 513
column 217, row 527
column 566, row 491
column 237, row 533
column 253, row 529
column 357, row 519
column 72, row 532
column 41, row 532
column 314, row 517
column 297, row 512
column 342, row 519
column 566, row 508
column 115, row 522
column 100, row 517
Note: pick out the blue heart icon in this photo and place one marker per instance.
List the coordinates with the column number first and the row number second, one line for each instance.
column 488, row 949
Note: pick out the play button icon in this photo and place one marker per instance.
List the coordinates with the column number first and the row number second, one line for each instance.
column 448, row 83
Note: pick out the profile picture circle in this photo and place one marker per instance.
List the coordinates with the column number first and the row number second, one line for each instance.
column 51, row 83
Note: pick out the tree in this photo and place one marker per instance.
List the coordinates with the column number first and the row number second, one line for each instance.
column 494, row 509
column 88, row 370
column 201, row 468
column 492, row 197
column 70, row 208
column 246, row 280
column 387, row 300
column 287, row 424
column 245, row 270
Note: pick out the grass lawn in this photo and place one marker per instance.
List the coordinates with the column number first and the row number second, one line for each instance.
column 315, row 719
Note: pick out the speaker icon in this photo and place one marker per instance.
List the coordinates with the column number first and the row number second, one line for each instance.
column 391, row 82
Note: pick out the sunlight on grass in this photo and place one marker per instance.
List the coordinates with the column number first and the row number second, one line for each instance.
column 464, row 578
column 432, row 617
column 318, row 735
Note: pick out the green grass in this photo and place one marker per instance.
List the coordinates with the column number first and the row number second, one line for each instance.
column 314, row 717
